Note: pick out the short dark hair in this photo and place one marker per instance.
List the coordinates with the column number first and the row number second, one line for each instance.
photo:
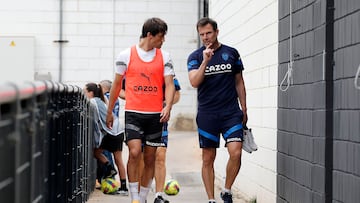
column 154, row 26
column 96, row 89
column 204, row 21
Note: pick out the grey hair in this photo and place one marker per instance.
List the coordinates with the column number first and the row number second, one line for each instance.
column 106, row 84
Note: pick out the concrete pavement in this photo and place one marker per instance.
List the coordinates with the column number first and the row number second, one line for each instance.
column 183, row 165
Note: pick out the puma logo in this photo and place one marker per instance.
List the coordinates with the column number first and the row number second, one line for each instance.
column 145, row 76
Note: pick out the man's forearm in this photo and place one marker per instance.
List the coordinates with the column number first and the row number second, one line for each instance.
column 169, row 95
column 114, row 93
column 196, row 77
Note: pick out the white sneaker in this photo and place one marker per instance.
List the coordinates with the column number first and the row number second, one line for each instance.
column 245, row 145
column 249, row 144
column 123, row 192
column 252, row 143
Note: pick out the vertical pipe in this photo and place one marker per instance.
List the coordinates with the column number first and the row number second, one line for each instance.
column 199, row 16
column 113, row 34
column 329, row 100
column 60, row 38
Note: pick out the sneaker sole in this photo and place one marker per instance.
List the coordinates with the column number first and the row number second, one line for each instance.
column 113, row 173
column 122, row 193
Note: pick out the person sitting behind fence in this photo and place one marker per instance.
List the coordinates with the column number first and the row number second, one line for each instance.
column 106, row 86
column 100, row 169
column 104, row 137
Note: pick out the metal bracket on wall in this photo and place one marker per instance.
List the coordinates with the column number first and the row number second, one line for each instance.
column 288, row 77
column 357, row 75
column 61, row 41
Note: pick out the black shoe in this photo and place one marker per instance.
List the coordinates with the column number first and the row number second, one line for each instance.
column 227, row 197
column 110, row 171
column 160, row 199
column 123, row 192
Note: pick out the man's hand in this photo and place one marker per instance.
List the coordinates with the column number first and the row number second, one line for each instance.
column 109, row 120
column 245, row 119
column 208, row 53
column 165, row 115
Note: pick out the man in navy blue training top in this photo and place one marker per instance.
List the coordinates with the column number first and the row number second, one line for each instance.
column 215, row 70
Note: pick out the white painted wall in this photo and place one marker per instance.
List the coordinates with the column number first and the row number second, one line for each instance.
column 252, row 27
column 97, row 30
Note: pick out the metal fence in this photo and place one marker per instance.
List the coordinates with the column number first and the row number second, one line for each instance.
column 45, row 143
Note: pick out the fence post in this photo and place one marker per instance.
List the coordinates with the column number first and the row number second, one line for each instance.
column 46, row 143
column 8, row 105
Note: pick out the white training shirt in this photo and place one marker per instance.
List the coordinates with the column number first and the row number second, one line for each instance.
column 122, row 61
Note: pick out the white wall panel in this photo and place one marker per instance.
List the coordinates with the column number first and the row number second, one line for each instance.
column 252, row 28
column 16, row 59
column 96, row 31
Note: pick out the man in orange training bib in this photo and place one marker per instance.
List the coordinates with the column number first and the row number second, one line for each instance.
column 148, row 68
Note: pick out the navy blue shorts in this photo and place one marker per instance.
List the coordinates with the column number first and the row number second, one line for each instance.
column 146, row 127
column 211, row 125
column 164, row 137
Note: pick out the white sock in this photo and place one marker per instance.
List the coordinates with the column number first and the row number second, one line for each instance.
column 144, row 191
column 150, row 183
column 227, row 190
column 212, row 200
column 134, row 193
column 158, row 194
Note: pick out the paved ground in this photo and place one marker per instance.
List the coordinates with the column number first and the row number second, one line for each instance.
column 184, row 165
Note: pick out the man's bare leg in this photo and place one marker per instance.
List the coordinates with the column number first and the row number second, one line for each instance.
column 132, row 167
column 208, row 176
column 234, row 163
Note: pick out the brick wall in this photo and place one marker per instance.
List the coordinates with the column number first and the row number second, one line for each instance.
column 346, row 164
column 96, row 31
column 318, row 116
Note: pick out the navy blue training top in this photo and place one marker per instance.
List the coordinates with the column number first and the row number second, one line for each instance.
column 116, row 105
column 217, row 93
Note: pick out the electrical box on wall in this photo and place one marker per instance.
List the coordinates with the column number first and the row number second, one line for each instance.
column 16, row 58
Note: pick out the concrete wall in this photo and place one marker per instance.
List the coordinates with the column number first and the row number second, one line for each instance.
column 96, row 31
column 319, row 115
column 346, row 162
column 302, row 107
column 252, row 28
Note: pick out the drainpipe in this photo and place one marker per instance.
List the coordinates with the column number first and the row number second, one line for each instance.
column 60, row 40
column 199, row 16
column 203, row 11
column 114, row 38
column 329, row 101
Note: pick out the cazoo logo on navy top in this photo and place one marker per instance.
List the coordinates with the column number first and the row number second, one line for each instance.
column 219, row 68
